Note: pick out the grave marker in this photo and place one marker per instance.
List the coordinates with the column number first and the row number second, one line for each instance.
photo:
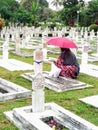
column 85, row 49
column 38, row 83
column 5, row 51
column 17, row 45
column 44, row 37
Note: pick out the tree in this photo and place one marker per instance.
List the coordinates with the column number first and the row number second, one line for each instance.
column 43, row 3
column 57, row 3
column 7, row 9
column 45, row 14
column 22, row 16
column 93, row 10
column 69, row 12
column 34, row 10
column 28, row 3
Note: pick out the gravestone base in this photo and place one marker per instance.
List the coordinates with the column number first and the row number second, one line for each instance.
column 33, row 46
column 13, row 65
column 89, row 69
column 90, row 58
column 10, row 49
column 9, row 90
column 95, row 55
column 22, row 54
column 59, row 84
column 53, row 52
column 25, row 119
column 91, row 100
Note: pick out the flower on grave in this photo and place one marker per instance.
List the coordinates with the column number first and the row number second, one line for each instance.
column 52, row 123
column 2, row 23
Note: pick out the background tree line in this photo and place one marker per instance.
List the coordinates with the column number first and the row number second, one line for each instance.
column 32, row 12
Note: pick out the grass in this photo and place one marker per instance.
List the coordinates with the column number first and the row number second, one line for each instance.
column 68, row 99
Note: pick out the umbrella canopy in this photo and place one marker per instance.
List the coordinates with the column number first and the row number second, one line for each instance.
column 62, row 42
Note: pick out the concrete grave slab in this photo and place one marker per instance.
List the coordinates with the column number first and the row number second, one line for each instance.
column 90, row 58
column 58, row 84
column 22, row 54
column 53, row 52
column 95, row 55
column 91, row 100
column 25, row 119
column 10, row 48
column 9, row 90
column 89, row 69
column 13, row 64
column 33, row 46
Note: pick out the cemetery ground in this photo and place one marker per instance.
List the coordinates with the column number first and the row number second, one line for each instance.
column 67, row 99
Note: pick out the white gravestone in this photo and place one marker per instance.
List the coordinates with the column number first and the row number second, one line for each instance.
column 44, row 37
column 7, row 38
column 24, row 42
column 17, row 45
column 5, row 51
column 97, row 48
column 13, row 37
column 85, row 49
column 38, row 83
column 77, row 37
column 96, row 54
column 86, row 35
column 59, row 33
column 91, row 35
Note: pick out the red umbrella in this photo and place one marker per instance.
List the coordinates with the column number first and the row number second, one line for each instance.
column 62, row 42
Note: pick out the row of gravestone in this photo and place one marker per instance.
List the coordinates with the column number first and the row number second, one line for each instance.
column 33, row 117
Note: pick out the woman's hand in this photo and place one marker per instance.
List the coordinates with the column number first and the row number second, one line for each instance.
column 52, row 59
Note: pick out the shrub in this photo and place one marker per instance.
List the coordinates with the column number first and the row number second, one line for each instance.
column 94, row 27
column 2, row 23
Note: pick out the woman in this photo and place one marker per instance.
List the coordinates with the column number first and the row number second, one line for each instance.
column 68, row 64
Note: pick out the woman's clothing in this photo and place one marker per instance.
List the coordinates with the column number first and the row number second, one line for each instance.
column 68, row 64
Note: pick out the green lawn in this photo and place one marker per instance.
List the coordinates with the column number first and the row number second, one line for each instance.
column 68, row 99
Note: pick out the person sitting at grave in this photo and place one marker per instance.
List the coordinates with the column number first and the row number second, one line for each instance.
column 68, row 64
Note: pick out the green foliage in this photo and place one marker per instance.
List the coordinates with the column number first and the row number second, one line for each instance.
column 70, row 11
column 70, row 3
column 93, row 10
column 32, row 12
column 43, row 3
column 22, row 16
column 7, row 8
column 94, row 27
column 88, row 13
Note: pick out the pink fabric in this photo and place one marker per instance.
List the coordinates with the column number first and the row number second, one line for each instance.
column 67, row 71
